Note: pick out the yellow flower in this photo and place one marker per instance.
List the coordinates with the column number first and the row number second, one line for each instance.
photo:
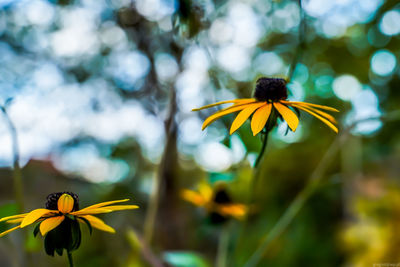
column 62, row 206
column 270, row 95
column 216, row 201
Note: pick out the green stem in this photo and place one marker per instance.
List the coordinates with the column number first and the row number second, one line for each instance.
column 264, row 145
column 17, row 176
column 223, row 246
column 281, row 225
column 70, row 261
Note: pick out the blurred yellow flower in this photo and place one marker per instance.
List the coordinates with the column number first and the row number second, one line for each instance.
column 216, row 201
column 270, row 95
column 371, row 236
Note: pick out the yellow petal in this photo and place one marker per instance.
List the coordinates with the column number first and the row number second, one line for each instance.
column 235, row 210
column 50, row 223
column 235, row 101
column 91, row 211
column 34, row 215
column 102, row 204
column 193, row 197
column 319, row 112
column 244, row 115
column 13, row 217
column 205, row 190
column 260, row 118
column 221, row 113
column 9, row 231
column 288, row 115
column 98, row 223
column 327, row 122
column 65, row 203
column 18, row 220
column 122, row 207
column 309, row 104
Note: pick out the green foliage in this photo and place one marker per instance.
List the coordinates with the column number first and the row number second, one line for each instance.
column 185, row 259
column 7, row 210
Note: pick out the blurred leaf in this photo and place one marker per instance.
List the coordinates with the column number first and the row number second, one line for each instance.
column 135, row 259
column 133, row 240
column 7, row 210
column 218, row 177
column 185, row 259
column 33, row 244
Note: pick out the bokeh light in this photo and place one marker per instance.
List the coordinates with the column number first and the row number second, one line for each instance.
column 383, row 62
column 390, row 23
column 346, row 87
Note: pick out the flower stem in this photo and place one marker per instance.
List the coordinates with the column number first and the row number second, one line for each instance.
column 264, row 145
column 17, row 176
column 223, row 246
column 70, row 261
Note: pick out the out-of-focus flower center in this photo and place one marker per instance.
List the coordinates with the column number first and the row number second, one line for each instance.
column 221, row 197
column 65, row 202
column 270, row 89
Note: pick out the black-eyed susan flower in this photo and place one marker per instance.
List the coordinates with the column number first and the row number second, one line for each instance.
column 270, row 98
column 216, row 201
column 59, row 221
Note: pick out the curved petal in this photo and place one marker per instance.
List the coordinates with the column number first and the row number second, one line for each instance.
column 288, row 115
column 244, row 115
column 260, row 118
column 65, row 203
column 13, row 217
column 319, row 112
column 235, row 101
column 102, row 204
column 34, row 215
column 122, row 207
column 91, row 211
column 221, row 113
column 98, row 223
column 309, row 104
column 205, row 190
column 18, row 220
column 50, row 223
column 324, row 120
column 9, row 231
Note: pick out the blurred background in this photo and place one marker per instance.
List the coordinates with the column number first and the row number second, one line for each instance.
column 100, row 93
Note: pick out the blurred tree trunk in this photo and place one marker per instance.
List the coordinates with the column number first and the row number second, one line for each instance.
column 166, row 221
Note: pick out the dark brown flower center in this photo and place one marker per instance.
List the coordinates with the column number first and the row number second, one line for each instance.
column 52, row 200
column 221, row 196
column 270, row 89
